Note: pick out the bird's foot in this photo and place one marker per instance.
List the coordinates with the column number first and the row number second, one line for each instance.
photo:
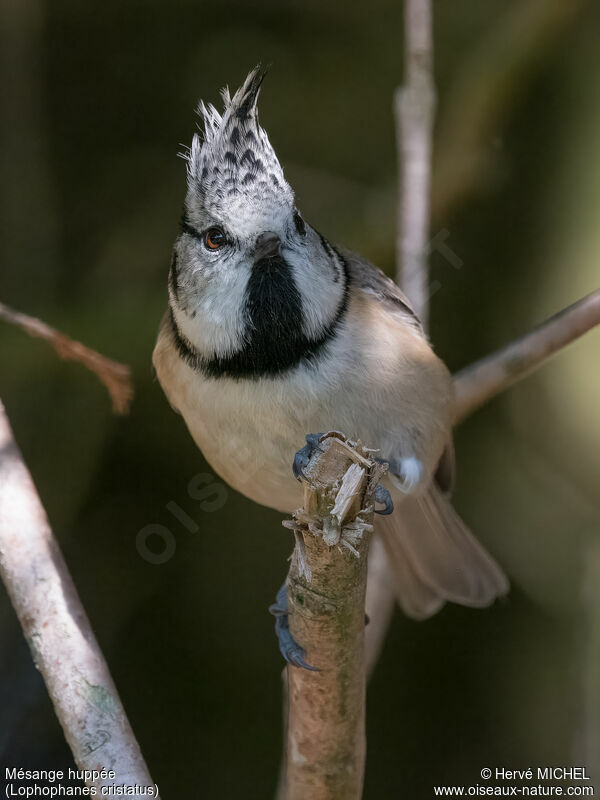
column 383, row 496
column 304, row 455
column 290, row 649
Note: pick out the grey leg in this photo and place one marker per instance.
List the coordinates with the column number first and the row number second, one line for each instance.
column 289, row 647
column 383, row 496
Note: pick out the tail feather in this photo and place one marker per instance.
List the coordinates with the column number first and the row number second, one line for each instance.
column 436, row 558
column 414, row 595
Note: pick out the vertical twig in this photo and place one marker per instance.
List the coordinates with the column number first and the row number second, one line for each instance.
column 414, row 106
column 58, row 632
column 414, row 110
column 326, row 599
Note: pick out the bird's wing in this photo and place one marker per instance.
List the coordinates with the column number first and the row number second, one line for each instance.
column 434, row 556
column 366, row 277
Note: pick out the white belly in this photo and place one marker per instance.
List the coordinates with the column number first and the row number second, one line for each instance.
column 250, row 430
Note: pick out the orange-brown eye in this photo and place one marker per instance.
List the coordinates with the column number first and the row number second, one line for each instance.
column 214, row 238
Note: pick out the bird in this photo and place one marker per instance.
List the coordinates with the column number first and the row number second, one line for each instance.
column 272, row 333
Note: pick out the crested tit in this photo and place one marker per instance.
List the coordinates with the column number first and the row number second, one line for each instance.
column 272, row 332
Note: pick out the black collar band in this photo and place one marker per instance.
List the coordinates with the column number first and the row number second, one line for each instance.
column 275, row 343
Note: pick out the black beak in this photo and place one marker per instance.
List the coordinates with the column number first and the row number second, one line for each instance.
column 268, row 245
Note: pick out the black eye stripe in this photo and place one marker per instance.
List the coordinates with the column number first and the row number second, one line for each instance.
column 173, row 279
column 187, row 227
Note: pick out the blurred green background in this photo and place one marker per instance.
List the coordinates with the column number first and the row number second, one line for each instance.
column 98, row 98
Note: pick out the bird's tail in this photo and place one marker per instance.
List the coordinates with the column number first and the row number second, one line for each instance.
column 436, row 558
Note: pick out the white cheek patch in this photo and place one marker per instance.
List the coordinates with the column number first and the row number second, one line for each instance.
column 213, row 320
column 314, row 276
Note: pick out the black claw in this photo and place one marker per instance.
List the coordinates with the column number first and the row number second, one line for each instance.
column 304, row 455
column 293, row 653
column 300, row 461
column 383, row 496
column 290, row 649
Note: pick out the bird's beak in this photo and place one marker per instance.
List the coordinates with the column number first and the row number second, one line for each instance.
column 268, row 245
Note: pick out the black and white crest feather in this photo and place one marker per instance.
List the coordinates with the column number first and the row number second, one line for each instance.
column 233, row 164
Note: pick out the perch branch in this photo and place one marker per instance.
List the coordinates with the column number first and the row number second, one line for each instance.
column 58, row 632
column 414, row 106
column 326, row 600
column 115, row 377
column 478, row 383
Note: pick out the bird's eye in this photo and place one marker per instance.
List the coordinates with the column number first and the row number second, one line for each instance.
column 299, row 222
column 214, row 238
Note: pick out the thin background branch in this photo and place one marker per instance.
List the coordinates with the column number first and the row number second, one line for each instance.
column 466, row 128
column 414, row 106
column 116, row 377
column 478, row 383
column 414, row 112
column 58, row 632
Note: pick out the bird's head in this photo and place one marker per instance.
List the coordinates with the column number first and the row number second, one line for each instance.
column 243, row 244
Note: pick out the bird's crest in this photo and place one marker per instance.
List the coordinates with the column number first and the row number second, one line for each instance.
column 234, row 160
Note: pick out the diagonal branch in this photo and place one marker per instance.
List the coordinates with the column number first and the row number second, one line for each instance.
column 58, row 632
column 474, row 386
column 478, row 383
column 116, row 377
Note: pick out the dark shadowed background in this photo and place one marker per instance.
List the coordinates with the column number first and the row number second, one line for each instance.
column 98, row 98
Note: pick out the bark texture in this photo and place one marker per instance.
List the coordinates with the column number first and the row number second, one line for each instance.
column 58, row 632
column 326, row 599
